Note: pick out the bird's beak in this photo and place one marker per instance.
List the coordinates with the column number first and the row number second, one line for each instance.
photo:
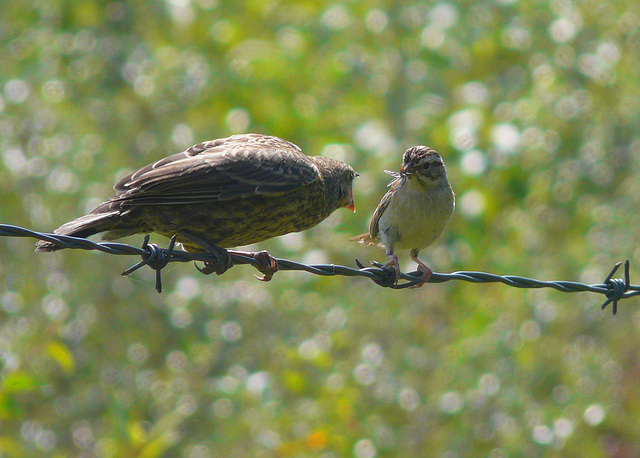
column 351, row 206
column 405, row 169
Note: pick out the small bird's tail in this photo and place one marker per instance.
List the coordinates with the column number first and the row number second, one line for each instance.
column 84, row 226
column 364, row 239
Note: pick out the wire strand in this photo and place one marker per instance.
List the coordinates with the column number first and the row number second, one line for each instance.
column 614, row 289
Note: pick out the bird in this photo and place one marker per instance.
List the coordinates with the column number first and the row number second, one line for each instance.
column 414, row 211
column 221, row 194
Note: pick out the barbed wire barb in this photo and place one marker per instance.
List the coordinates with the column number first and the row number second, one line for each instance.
column 156, row 258
column 618, row 286
column 614, row 289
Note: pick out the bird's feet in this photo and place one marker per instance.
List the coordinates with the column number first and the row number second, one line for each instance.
column 422, row 267
column 395, row 265
column 198, row 245
column 268, row 265
column 222, row 264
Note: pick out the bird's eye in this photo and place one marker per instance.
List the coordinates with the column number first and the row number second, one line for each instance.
column 426, row 166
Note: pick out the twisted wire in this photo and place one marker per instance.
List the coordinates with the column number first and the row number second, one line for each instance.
column 614, row 289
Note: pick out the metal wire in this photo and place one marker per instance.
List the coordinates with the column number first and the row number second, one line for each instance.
column 614, row 289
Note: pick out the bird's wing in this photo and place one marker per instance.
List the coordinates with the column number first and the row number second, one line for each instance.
column 224, row 169
column 384, row 203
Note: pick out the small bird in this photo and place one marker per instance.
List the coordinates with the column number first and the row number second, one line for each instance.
column 221, row 194
column 414, row 211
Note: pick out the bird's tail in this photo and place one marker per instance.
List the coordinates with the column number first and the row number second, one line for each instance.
column 364, row 239
column 84, row 226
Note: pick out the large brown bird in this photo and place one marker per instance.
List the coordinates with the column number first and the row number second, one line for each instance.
column 221, row 194
column 415, row 210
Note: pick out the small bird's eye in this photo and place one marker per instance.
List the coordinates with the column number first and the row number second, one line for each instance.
column 426, row 166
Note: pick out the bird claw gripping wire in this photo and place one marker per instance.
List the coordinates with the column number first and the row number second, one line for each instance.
column 618, row 286
column 384, row 276
column 221, row 265
column 155, row 257
column 267, row 265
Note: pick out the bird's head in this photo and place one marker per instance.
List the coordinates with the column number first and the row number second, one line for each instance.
column 424, row 165
column 338, row 178
column 346, row 190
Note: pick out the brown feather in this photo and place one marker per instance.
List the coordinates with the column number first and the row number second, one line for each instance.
column 227, row 192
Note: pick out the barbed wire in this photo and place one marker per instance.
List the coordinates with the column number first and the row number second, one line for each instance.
column 614, row 289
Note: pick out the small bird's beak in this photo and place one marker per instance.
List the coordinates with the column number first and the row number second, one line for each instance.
column 405, row 169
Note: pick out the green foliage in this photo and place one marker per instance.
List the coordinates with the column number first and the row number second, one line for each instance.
column 534, row 108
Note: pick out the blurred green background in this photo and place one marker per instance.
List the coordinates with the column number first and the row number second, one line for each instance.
column 534, row 107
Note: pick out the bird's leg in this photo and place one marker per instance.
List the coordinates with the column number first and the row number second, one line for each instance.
column 393, row 259
column 268, row 264
column 222, row 256
column 387, row 237
column 422, row 267
column 395, row 265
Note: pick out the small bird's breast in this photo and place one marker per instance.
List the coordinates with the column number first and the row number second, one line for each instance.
column 416, row 218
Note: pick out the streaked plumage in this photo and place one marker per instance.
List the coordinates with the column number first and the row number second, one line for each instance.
column 222, row 193
column 415, row 209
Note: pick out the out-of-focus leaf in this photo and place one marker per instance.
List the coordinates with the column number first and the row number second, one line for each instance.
column 62, row 356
